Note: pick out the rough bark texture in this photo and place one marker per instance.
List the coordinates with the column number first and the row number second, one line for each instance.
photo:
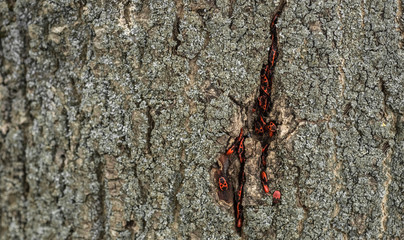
column 113, row 114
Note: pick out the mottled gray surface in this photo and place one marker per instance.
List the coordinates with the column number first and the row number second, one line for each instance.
column 113, row 114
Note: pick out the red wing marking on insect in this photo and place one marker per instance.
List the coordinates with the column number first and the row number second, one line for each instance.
column 223, row 184
column 238, row 210
column 266, row 188
column 265, row 148
column 259, row 128
column 230, row 151
column 239, row 223
column 264, row 177
column 263, row 102
column 241, row 147
column 276, row 198
column 266, row 90
column 239, row 193
column 264, row 80
column 272, row 57
column 274, row 19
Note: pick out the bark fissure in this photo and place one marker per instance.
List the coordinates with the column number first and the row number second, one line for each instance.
column 102, row 210
column 150, row 128
column 25, row 126
column 176, row 25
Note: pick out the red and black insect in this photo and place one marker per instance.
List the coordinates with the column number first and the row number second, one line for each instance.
column 276, row 198
column 263, row 175
column 234, row 146
column 239, row 148
column 263, row 129
column 223, row 184
column 241, row 180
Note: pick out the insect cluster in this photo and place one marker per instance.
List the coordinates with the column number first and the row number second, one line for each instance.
column 263, row 130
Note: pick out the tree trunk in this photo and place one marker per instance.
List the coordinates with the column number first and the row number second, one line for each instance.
column 114, row 113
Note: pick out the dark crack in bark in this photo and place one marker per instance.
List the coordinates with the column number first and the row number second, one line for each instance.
column 399, row 16
column 176, row 25
column 126, row 12
column 178, row 185
column 27, row 134
column 150, row 128
column 102, row 212
column 231, row 8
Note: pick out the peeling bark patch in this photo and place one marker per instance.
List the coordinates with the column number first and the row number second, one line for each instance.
column 342, row 77
column 126, row 13
column 189, row 34
column 299, row 201
column 362, row 14
column 315, row 27
column 385, row 211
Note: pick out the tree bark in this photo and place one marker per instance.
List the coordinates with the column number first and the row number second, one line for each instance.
column 114, row 113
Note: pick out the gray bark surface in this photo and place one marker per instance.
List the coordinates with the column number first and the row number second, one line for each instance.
column 113, row 114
